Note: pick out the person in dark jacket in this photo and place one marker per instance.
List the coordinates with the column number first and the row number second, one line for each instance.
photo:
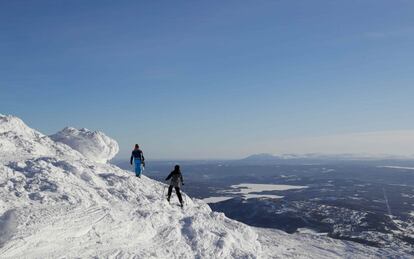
column 138, row 157
column 176, row 182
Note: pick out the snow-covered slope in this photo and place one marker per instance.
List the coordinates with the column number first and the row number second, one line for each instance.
column 19, row 142
column 56, row 202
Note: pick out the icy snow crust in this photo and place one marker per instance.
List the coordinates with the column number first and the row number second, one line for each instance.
column 94, row 145
column 55, row 202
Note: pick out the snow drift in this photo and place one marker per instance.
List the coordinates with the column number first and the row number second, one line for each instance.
column 95, row 145
column 57, row 202
column 19, row 142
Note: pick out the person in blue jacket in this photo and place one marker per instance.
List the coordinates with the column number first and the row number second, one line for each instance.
column 137, row 157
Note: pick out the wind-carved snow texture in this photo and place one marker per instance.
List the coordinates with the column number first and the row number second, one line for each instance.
column 56, row 202
column 8, row 225
column 94, row 145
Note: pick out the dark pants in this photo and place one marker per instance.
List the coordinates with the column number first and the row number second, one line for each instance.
column 177, row 190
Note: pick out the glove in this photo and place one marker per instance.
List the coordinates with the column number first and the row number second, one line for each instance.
column 143, row 164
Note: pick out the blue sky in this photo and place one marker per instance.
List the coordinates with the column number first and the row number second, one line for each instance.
column 210, row 79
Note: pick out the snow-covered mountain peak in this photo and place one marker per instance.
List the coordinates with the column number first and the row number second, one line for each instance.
column 73, row 130
column 20, row 142
column 55, row 203
column 58, row 203
column 14, row 125
column 94, row 145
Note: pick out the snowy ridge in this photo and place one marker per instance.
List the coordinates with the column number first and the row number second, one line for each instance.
column 14, row 124
column 95, row 145
column 55, row 202
column 19, row 142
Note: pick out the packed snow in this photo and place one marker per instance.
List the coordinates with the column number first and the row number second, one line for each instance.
column 18, row 142
column 94, row 145
column 58, row 202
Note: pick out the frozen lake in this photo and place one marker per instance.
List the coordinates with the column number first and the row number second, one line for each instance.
column 252, row 190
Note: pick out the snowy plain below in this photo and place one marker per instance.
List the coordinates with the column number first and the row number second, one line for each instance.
column 60, row 199
column 249, row 190
column 252, row 191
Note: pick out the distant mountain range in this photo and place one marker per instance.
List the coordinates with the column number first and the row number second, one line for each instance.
column 317, row 157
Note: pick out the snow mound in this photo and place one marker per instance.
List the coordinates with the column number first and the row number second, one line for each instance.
column 10, row 123
column 94, row 145
column 57, row 203
column 20, row 142
column 7, row 226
